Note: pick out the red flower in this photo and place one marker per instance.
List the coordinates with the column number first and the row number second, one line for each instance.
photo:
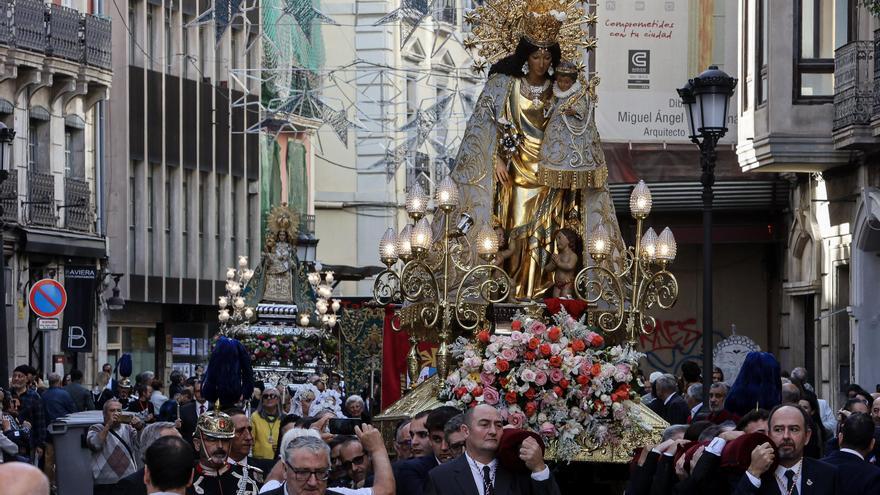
column 556, row 361
column 597, row 340
column 530, row 393
column 477, row 391
column 583, row 379
column 503, row 381
column 578, row 345
column 483, row 336
column 554, row 333
column 558, row 391
column 516, row 325
column 545, row 349
column 533, row 343
column 529, row 355
column 531, row 409
column 460, row 391
column 510, row 397
column 596, row 369
column 502, row 365
column 563, row 383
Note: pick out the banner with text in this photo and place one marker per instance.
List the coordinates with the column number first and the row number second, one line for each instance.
column 80, row 283
column 649, row 48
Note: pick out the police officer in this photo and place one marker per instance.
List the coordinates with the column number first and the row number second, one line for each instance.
column 214, row 475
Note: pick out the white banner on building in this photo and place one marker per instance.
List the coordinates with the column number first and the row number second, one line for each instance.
column 647, row 49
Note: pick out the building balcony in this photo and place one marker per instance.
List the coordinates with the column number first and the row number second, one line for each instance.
column 446, row 13
column 40, row 204
column 854, row 95
column 33, row 27
column 78, row 215
column 9, row 197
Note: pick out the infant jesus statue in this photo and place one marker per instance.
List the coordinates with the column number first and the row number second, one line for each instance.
column 564, row 263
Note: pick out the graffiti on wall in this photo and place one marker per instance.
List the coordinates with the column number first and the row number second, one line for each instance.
column 672, row 343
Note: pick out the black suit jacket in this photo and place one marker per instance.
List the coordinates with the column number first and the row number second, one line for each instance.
column 133, row 484
column 82, row 398
column 188, row 418
column 676, row 411
column 411, row 475
column 640, row 480
column 817, row 478
column 856, row 475
column 455, row 478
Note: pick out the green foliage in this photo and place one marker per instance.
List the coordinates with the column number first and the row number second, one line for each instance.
column 873, row 6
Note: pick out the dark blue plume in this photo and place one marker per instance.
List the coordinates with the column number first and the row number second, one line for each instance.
column 124, row 365
column 229, row 375
column 757, row 385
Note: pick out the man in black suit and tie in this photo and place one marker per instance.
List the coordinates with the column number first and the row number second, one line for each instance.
column 675, row 409
column 478, row 472
column 856, row 443
column 190, row 412
column 795, row 474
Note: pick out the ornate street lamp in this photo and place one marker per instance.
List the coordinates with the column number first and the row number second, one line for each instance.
column 7, row 135
column 706, row 99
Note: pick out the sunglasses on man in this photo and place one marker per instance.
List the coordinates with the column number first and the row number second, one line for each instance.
column 357, row 461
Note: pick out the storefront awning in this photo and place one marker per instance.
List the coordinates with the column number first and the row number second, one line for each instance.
column 62, row 243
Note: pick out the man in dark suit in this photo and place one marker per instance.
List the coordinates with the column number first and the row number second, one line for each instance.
column 675, row 409
column 82, row 398
column 190, row 412
column 795, row 474
column 856, row 443
column 478, row 471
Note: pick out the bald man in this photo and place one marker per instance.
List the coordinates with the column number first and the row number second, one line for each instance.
column 19, row 478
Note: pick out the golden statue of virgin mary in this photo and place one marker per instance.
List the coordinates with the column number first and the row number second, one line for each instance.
column 507, row 169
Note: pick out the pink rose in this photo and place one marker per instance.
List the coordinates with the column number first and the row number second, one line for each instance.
column 548, row 430
column 266, row 345
column 490, row 395
column 527, row 375
column 538, row 328
column 516, row 419
column 540, row 378
column 508, row 354
column 487, row 378
column 556, row 375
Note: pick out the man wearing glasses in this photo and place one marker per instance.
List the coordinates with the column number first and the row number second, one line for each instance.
column 307, row 466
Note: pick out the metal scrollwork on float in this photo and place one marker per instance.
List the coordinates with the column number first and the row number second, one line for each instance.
column 484, row 283
column 623, row 298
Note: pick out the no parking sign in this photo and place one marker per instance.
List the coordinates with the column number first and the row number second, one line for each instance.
column 47, row 298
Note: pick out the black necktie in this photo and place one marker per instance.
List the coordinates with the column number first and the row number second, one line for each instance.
column 790, row 486
column 487, row 481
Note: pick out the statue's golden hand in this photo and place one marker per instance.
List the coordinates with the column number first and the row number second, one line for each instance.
column 501, row 174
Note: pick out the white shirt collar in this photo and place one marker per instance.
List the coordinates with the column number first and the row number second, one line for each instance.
column 669, row 398
column 477, row 471
column 695, row 409
column 782, row 481
column 853, row 452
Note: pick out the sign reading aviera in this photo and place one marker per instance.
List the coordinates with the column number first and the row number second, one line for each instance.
column 79, row 318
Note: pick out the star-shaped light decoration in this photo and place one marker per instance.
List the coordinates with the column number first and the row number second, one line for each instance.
column 339, row 122
column 306, row 14
column 411, row 13
column 479, row 66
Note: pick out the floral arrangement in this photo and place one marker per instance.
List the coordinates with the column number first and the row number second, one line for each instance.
column 286, row 349
column 560, row 381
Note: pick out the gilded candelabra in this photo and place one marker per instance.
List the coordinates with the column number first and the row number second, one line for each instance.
column 234, row 313
column 622, row 296
column 326, row 308
column 426, row 282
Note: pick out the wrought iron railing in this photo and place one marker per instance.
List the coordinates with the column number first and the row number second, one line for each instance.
column 56, row 31
column 41, row 199
column 854, row 84
column 29, row 24
column 62, row 33
column 9, row 197
column 96, row 33
column 77, row 205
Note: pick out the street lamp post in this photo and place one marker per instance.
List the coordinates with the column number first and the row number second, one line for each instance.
column 706, row 99
column 6, row 137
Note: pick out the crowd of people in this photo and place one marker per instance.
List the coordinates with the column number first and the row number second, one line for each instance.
column 766, row 433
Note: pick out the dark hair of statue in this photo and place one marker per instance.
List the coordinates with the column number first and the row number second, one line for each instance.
column 511, row 65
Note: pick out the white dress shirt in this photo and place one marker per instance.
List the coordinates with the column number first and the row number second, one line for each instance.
column 477, row 472
column 853, row 452
column 695, row 410
column 781, row 480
